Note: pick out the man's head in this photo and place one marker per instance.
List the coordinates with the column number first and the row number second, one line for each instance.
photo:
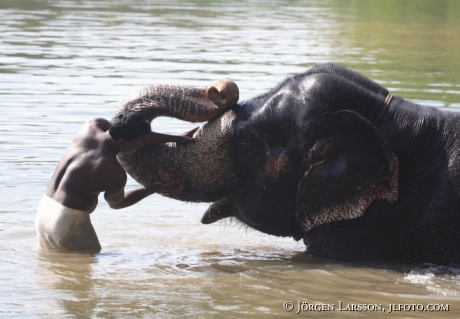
column 127, row 128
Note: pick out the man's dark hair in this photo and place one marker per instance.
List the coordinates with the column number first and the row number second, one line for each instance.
column 128, row 125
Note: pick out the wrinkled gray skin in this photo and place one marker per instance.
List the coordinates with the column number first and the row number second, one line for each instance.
column 326, row 156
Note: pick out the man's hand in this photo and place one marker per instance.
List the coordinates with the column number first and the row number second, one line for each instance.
column 174, row 187
column 187, row 137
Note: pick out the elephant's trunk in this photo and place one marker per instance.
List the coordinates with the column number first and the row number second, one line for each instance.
column 185, row 103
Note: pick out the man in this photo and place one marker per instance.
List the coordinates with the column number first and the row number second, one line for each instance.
column 90, row 167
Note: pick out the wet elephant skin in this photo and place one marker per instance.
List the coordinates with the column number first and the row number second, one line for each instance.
column 327, row 156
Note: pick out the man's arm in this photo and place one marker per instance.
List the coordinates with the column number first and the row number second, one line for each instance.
column 119, row 198
column 157, row 138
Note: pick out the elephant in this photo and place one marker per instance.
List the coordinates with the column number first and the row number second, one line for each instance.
column 327, row 156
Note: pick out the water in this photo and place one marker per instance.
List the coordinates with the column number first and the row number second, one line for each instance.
column 66, row 61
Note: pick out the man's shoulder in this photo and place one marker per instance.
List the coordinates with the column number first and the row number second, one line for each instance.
column 90, row 134
column 98, row 123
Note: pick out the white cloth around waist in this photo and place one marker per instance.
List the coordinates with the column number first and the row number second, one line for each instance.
column 62, row 228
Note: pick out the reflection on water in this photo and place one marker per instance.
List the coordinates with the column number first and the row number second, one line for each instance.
column 66, row 61
column 229, row 283
column 70, row 276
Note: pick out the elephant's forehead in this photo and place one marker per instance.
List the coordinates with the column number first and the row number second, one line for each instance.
column 218, row 126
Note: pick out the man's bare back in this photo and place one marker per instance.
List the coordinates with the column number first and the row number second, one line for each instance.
column 89, row 167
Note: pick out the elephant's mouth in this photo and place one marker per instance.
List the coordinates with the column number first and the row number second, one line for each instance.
column 197, row 133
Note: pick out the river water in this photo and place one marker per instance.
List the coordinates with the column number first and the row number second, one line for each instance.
column 63, row 62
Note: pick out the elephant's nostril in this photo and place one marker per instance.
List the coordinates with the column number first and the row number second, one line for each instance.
column 223, row 93
column 213, row 93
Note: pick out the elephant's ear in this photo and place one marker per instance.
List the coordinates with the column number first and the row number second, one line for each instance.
column 350, row 166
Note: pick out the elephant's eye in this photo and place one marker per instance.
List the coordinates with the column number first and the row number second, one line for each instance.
column 276, row 137
column 257, row 143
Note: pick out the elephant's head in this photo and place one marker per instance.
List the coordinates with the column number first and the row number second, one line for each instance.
column 276, row 162
column 205, row 165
